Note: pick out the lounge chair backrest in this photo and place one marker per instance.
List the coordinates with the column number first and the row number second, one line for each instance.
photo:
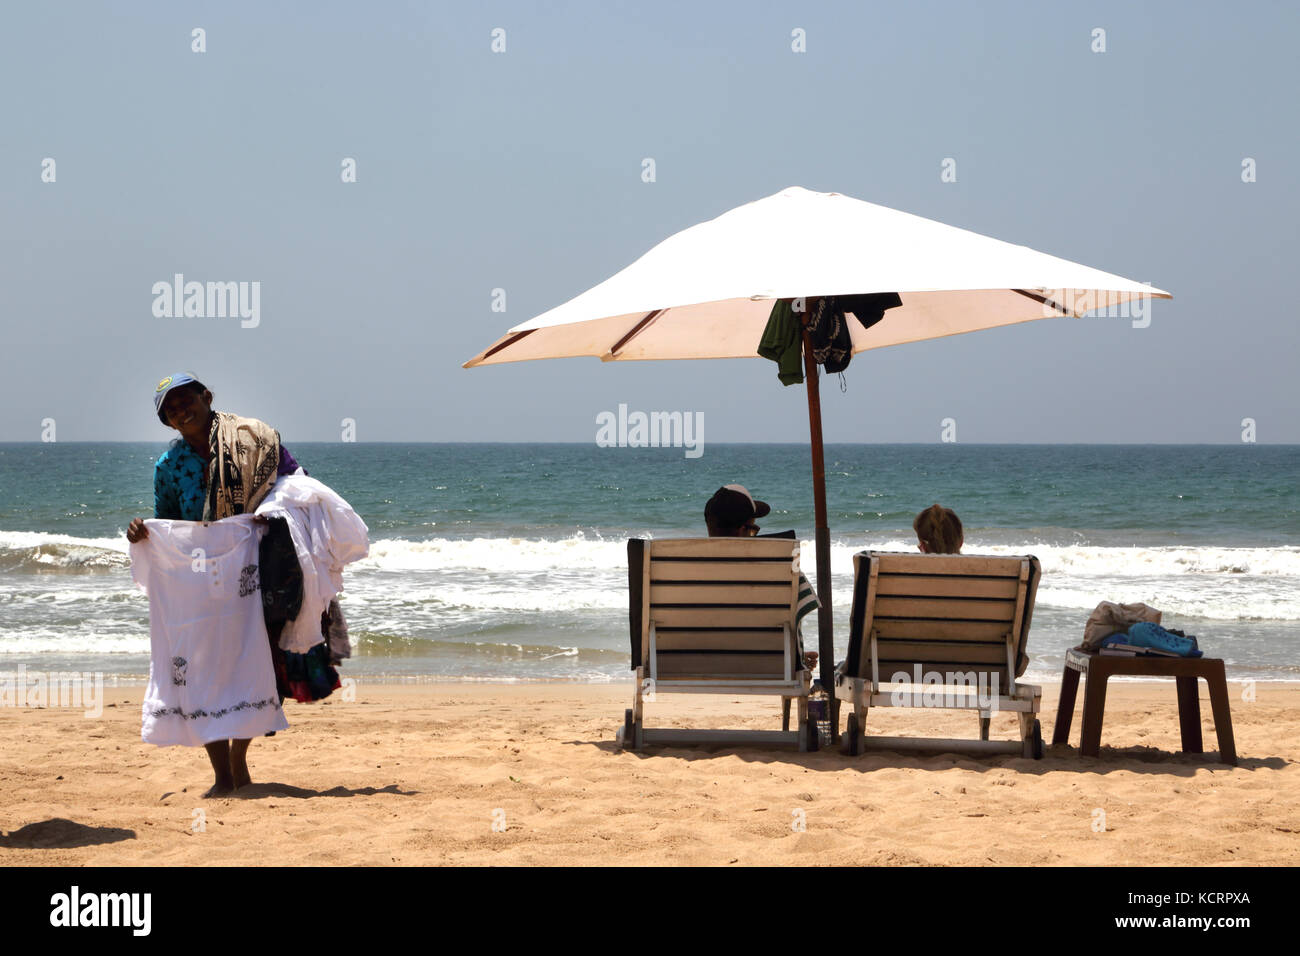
column 721, row 608
column 941, row 613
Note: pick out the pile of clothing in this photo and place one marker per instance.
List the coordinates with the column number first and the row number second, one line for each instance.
column 1135, row 626
column 223, row 661
column 828, row 330
column 311, row 533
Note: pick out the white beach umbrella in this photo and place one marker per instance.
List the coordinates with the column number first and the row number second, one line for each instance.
column 707, row 292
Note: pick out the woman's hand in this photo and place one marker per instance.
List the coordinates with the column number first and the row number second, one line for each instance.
column 136, row 531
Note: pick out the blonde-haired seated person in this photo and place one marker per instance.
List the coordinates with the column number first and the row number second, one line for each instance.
column 731, row 513
column 938, row 531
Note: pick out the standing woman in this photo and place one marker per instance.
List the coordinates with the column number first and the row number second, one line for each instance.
column 220, row 466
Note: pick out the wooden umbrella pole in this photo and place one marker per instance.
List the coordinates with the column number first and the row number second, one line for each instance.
column 825, row 618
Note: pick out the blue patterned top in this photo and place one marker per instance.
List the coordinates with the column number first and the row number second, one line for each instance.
column 178, row 489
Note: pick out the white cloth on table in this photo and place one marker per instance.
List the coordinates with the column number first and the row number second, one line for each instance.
column 210, row 671
column 327, row 534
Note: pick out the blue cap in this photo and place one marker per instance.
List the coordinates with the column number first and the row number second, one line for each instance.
column 166, row 385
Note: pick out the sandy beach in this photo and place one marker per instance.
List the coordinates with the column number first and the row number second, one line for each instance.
column 421, row 775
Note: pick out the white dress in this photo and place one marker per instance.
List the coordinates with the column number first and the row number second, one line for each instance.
column 210, row 671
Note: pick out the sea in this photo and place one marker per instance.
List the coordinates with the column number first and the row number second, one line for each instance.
column 508, row 562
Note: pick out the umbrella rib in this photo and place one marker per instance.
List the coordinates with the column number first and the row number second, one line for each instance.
column 636, row 329
column 1045, row 301
column 506, row 343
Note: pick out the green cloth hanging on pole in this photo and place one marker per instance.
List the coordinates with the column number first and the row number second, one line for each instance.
column 781, row 342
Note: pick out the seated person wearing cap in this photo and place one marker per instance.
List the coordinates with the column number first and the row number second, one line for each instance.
column 731, row 513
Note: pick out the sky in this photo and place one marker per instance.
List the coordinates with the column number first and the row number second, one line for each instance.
column 521, row 169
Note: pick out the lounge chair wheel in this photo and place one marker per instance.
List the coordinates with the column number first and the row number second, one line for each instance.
column 629, row 730
column 853, row 735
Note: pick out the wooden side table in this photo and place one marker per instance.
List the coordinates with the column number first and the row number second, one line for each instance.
column 1184, row 670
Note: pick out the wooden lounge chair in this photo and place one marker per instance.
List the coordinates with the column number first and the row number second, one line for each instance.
column 956, row 622
column 715, row 616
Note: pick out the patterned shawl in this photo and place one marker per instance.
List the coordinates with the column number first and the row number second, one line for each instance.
column 245, row 455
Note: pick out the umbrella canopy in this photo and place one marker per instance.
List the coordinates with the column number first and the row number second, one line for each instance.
column 706, row 292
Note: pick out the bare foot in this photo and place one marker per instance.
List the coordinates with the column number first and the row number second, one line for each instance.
column 220, row 789
column 219, row 755
column 239, row 763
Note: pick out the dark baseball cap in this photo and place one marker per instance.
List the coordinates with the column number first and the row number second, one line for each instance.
column 732, row 506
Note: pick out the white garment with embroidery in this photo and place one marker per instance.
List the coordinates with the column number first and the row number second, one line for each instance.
column 210, row 671
column 327, row 534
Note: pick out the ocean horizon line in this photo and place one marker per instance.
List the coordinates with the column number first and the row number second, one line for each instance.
column 722, row 444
